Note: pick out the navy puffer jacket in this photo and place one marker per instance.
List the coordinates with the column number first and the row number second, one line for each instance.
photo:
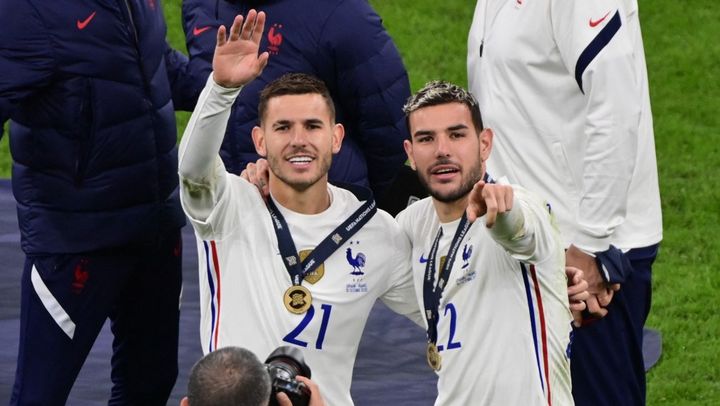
column 89, row 87
column 343, row 43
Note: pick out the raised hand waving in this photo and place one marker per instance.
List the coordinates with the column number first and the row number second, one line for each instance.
column 236, row 61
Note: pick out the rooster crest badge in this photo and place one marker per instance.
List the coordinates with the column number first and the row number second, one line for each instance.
column 467, row 252
column 357, row 262
column 275, row 39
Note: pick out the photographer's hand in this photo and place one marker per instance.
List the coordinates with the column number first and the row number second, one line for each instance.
column 316, row 398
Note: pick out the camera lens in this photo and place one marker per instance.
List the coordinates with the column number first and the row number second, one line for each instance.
column 287, row 362
column 283, row 365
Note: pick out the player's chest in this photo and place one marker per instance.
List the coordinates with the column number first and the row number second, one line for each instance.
column 515, row 32
column 356, row 268
column 479, row 266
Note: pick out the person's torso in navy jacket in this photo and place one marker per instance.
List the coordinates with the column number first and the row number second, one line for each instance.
column 344, row 44
column 93, row 127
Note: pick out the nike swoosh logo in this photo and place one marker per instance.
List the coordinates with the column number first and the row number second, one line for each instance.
column 199, row 30
column 594, row 24
column 82, row 24
column 423, row 259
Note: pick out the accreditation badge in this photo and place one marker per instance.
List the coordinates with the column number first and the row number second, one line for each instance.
column 297, row 299
column 433, row 357
column 317, row 273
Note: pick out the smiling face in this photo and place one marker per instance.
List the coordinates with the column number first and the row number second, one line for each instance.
column 298, row 136
column 446, row 150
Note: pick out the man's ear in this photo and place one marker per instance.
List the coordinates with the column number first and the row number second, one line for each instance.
column 258, row 136
column 486, row 139
column 338, row 135
column 185, row 401
column 409, row 151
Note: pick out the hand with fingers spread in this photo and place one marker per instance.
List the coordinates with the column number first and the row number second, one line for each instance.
column 491, row 199
column 577, row 293
column 601, row 293
column 258, row 174
column 236, row 61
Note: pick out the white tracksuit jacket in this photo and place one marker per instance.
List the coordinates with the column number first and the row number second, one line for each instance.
column 563, row 85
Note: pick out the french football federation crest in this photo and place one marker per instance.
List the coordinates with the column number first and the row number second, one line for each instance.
column 468, row 274
column 275, row 38
column 357, row 262
column 467, row 252
column 316, row 274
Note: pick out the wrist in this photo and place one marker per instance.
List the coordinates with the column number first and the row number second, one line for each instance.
column 223, row 85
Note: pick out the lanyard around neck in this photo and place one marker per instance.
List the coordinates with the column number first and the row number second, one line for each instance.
column 432, row 292
column 327, row 246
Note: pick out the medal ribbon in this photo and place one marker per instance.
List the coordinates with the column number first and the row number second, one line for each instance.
column 433, row 292
column 330, row 244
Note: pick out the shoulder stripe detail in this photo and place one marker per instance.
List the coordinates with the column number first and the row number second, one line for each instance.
column 596, row 45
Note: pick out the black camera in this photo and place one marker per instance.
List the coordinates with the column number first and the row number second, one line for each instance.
column 283, row 365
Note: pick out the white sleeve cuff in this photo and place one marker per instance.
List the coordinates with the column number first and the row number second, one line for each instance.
column 509, row 226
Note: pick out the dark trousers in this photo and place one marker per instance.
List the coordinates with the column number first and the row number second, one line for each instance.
column 607, row 362
column 65, row 302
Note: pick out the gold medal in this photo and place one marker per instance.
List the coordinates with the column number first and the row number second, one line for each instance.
column 433, row 357
column 297, row 299
column 314, row 275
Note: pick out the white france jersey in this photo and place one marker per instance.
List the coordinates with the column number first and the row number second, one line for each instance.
column 504, row 321
column 564, row 87
column 243, row 279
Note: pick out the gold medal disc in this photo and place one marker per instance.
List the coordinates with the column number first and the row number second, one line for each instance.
column 433, row 357
column 297, row 299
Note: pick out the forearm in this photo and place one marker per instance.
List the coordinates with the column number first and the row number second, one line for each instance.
column 510, row 231
column 202, row 173
column 610, row 154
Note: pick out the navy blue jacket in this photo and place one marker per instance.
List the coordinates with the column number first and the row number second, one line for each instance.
column 88, row 85
column 343, row 43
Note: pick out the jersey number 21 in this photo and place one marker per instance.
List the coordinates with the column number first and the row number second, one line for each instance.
column 292, row 337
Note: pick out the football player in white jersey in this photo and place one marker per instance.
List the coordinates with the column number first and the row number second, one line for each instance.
column 305, row 267
column 488, row 265
column 564, row 86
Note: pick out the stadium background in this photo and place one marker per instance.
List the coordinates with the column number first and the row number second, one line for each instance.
column 683, row 54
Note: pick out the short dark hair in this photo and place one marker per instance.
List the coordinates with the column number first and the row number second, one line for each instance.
column 229, row 376
column 440, row 92
column 294, row 84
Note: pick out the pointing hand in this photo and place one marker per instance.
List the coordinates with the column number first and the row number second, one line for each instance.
column 491, row 199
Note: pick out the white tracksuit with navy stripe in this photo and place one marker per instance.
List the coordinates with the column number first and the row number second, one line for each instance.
column 504, row 322
column 563, row 85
